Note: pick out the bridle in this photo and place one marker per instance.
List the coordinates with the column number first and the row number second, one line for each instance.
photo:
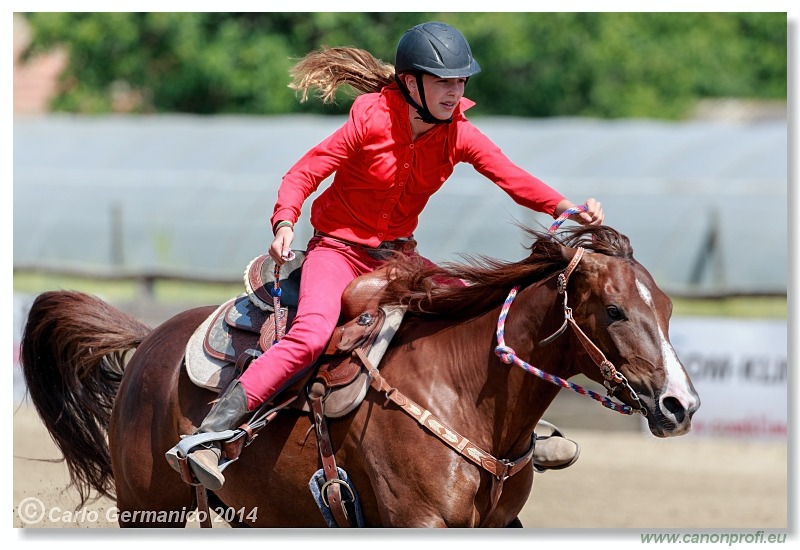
column 613, row 380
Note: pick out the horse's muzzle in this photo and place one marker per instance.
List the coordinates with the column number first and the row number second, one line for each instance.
column 671, row 415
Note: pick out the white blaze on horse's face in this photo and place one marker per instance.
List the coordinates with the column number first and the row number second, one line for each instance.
column 677, row 385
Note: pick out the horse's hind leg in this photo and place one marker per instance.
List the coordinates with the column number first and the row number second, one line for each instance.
column 159, row 500
column 148, row 419
column 149, row 492
column 224, row 511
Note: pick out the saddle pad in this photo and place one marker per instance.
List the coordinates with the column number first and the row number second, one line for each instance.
column 204, row 370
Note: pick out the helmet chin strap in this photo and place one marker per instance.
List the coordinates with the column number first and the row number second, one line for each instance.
column 423, row 112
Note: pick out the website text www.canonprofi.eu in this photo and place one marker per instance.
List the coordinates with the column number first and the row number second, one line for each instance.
column 729, row 539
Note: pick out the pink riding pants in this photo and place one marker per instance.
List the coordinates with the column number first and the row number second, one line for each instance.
column 330, row 265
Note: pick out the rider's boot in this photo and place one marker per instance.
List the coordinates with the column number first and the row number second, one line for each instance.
column 554, row 451
column 226, row 414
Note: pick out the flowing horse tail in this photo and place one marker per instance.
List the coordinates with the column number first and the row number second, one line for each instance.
column 73, row 356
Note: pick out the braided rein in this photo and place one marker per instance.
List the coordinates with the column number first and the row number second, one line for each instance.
column 509, row 357
column 276, row 299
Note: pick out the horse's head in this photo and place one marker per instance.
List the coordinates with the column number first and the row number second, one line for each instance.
column 618, row 314
column 621, row 310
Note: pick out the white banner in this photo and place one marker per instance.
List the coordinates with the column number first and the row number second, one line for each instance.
column 739, row 368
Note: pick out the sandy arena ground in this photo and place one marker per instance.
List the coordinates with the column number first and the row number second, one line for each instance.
column 623, row 480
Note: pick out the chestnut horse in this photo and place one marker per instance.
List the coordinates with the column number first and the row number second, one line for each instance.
column 445, row 357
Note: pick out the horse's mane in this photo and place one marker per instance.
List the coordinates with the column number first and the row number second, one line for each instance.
column 424, row 290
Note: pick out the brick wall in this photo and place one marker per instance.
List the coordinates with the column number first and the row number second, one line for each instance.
column 35, row 79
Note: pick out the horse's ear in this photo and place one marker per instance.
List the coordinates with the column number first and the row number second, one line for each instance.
column 573, row 257
column 567, row 252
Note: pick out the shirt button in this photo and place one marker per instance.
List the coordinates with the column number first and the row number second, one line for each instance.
column 380, row 235
column 384, row 215
column 405, row 165
column 402, row 183
column 411, row 146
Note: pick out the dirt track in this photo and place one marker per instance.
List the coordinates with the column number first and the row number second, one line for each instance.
column 623, row 479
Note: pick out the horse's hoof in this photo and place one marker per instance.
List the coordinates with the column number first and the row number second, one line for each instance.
column 205, row 466
column 515, row 523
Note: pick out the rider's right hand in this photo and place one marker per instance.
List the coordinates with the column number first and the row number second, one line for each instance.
column 281, row 247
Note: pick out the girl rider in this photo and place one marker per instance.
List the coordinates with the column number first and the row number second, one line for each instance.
column 404, row 135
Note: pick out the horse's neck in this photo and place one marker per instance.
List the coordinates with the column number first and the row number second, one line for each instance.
column 535, row 314
column 503, row 402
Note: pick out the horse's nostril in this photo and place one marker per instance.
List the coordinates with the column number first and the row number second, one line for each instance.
column 675, row 408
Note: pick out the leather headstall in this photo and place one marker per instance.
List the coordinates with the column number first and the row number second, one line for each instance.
column 614, row 381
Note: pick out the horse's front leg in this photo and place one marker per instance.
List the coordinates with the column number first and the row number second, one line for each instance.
column 431, row 502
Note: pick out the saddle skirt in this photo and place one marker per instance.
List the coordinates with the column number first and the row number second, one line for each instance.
column 245, row 326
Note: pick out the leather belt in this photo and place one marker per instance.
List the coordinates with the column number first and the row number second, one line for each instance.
column 383, row 250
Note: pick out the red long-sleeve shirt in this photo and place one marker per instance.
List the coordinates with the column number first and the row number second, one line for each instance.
column 384, row 178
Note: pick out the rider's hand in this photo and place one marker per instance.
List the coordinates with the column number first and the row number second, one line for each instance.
column 281, row 247
column 593, row 216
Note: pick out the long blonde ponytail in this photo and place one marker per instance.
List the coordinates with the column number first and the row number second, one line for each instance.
column 328, row 68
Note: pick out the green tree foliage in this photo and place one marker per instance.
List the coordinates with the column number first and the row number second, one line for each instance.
column 534, row 64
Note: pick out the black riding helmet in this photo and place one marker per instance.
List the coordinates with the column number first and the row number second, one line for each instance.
column 436, row 49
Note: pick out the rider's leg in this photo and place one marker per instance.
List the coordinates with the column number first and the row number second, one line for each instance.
column 328, row 268
column 226, row 414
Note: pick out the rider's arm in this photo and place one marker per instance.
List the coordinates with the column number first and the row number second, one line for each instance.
column 304, row 177
column 491, row 162
column 524, row 188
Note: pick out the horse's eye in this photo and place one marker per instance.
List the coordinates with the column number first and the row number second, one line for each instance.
column 615, row 313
